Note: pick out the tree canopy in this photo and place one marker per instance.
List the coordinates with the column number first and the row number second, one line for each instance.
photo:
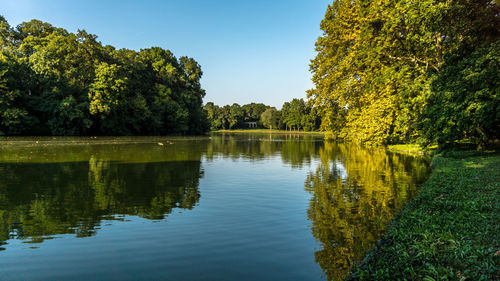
column 399, row 71
column 54, row 82
column 294, row 115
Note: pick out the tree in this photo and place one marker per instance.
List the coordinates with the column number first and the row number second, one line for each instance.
column 233, row 116
column 62, row 83
column 14, row 116
column 68, row 117
column 293, row 112
column 212, row 112
column 107, row 96
column 465, row 101
column 377, row 60
column 5, row 32
column 236, row 116
column 270, row 118
column 254, row 110
column 310, row 121
column 285, row 112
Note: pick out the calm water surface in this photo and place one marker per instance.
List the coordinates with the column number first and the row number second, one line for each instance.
column 224, row 207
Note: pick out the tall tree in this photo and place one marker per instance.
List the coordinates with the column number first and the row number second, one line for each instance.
column 254, row 110
column 377, row 59
column 62, row 83
column 270, row 118
column 293, row 112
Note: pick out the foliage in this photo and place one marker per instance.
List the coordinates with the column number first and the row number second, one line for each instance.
column 377, row 62
column 233, row 116
column 14, row 117
column 292, row 113
column 450, row 231
column 465, row 101
column 270, row 118
column 271, row 131
column 61, row 83
column 295, row 115
column 226, row 117
column 253, row 111
column 298, row 115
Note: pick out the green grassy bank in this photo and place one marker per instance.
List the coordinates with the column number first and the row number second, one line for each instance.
column 450, row 231
column 268, row 131
column 409, row 149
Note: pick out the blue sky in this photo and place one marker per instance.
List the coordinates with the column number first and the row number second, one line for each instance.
column 250, row 51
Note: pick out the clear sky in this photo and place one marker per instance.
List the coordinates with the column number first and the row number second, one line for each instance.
column 250, row 51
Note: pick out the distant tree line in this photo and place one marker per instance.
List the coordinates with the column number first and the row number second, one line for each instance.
column 54, row 82
column 294, row 115
column 403, row 71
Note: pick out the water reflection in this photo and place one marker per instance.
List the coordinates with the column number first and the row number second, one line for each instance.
column 355, row 193
column 59, row 186
column 293, row 149
column 47, row 195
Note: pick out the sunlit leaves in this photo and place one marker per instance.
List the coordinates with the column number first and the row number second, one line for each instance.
column 69, row 84
column 106, row 89
column 377, row 59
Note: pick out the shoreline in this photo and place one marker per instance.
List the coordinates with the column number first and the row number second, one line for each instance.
column 412, row 149
column 268, row 131
column 449, row 231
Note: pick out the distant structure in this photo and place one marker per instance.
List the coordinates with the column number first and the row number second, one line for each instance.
column 251, row 124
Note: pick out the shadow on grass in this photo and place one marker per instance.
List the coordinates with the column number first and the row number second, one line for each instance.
column 448, row 232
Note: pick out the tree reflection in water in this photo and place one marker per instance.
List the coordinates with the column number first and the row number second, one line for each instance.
column 70, row 187
column 355, row 193
column 46, row 196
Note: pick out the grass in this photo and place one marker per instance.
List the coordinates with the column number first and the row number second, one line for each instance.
column 450, row 231
column 407, row 148
column 268, row 131
column 412, row 149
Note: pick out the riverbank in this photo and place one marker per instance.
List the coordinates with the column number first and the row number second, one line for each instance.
column 267, row 131
column 450, row 231
column 413, row 149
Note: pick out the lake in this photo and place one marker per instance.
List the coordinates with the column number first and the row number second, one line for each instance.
column 221, row 207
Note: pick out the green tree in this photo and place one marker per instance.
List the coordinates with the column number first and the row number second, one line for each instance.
column 14, row 116
column 62, row 83
column 310, row 120
column 293, row 112
column 270, row 118
column 213, row 112
column 465, row 101
column 376, row 61
column 254, row 110
column 107, row 94
column 5, row 32
column 68, row 117
column 236, row 116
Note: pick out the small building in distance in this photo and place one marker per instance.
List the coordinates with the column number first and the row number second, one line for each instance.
column 250, row 124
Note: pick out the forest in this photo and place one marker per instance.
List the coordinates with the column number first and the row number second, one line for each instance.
column 294, row 115
column 54, row 82
column 428, row 71
column 386, row 72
